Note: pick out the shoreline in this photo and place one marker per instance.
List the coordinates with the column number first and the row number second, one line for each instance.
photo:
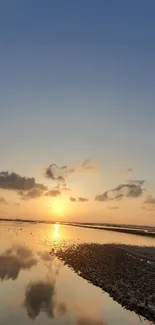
column 126, row 273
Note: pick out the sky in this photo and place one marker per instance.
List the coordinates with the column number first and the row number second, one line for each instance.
column 77, row 82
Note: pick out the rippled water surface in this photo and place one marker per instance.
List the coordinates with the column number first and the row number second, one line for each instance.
column 37, row 288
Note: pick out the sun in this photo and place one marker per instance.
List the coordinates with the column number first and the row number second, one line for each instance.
column 58, row 209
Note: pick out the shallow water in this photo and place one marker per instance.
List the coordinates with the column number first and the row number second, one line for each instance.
column 35, row 287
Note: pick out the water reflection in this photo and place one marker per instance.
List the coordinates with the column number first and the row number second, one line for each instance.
column 45, row 256
column 40, row 296
column 56, row 231
column 89, row 321
column 15, row 259
column 50, row 290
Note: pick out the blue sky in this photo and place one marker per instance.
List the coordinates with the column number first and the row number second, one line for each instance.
column 77, row 82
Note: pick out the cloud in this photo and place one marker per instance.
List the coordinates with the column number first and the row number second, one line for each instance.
column 56, row 173
column 83, row 199
column 41, row 297
column 86, row 165
column 15, row 259
column 53, row 193
column 13, row 181
column 115, row 207
column 65, row 189
column 72, row 199
column 127, row 171
column 16, row 204
column 150, row 200
column 32, row 194
column 3, row 201
column 79, row 199
column 133, row 190
column 71, row 170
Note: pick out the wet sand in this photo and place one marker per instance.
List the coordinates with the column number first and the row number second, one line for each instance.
column 126, row 272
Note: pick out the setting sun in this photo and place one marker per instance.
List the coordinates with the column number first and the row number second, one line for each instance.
column 58, row 209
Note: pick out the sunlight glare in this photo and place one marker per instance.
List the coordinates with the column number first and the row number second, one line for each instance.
column 56, row 231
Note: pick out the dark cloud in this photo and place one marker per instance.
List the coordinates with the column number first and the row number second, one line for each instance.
column 32, row 194
column 41, row 297
column 15, row 259
column 150, row 200
column 56, row 173
column 72, row 199
column 53, row 193
column 3, row 201
column 83, row 199
column 13, row 181
column 132, row 189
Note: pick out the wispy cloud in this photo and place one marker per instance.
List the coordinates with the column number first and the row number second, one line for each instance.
column 115, row 207
column 53, row 193
column 133, row 190
column 79, row 199
column 150, row 200
column 3, row 200
column 83, row 199
column 86, row 166
column 126, row 171
column 72, row 199
column 71, row 170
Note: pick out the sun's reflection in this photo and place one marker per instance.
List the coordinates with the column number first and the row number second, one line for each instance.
column 56, row 231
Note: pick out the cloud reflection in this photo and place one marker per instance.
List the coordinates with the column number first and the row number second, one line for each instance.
column 14, row 260
column 41, row 297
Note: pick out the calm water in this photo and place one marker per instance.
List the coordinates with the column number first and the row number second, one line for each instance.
column 36, row 288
